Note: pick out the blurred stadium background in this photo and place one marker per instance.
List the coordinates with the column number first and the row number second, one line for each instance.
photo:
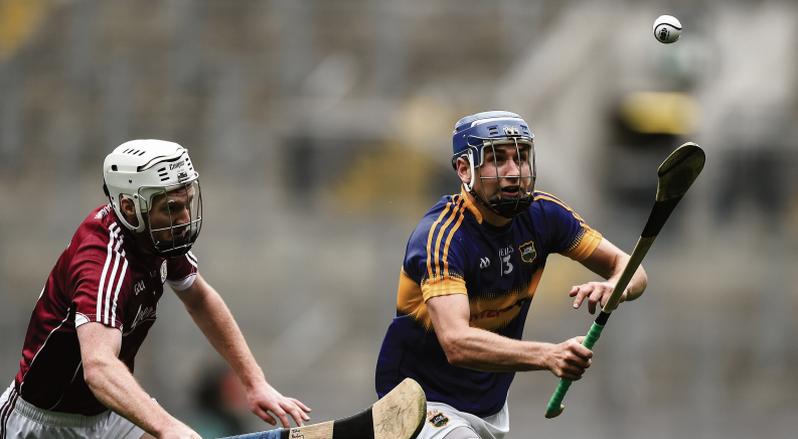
column 321, row 131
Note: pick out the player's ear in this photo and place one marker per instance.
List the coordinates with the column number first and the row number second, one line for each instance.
column 463, row 169
column 126, row 205
column 128, row 208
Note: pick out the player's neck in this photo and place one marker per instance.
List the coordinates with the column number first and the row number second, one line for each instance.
column 492, row 217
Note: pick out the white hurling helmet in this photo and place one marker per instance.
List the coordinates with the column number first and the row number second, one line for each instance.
column 141, row 170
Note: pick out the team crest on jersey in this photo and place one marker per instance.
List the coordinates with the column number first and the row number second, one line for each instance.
column 528, row 252
column 163, row 271
column 437, row 419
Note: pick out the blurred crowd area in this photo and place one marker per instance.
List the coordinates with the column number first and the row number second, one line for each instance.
column 322, row 133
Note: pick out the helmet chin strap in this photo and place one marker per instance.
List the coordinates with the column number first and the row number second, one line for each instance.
column 509, row 208
column 504, row 207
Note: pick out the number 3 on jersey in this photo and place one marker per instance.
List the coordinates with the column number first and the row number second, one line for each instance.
column 507, row 266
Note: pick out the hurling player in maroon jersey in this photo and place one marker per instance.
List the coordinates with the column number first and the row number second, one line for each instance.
column 99, row 301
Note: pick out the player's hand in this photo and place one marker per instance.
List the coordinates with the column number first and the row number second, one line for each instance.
column 569, row 359
column 266, row 402
column 596, row 293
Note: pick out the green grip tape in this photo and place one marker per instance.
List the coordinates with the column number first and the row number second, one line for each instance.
column 555, row 405
column 593, row 335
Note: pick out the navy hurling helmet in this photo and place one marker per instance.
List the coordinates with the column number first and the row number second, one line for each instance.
column 476, row 133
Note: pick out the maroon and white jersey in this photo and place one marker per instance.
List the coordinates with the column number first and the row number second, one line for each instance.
column 102, row 276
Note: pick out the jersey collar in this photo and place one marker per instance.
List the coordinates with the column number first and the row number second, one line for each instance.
column 470, row 204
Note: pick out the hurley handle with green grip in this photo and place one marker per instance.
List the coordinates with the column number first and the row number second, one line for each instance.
column 555, row 405
column 674, row 176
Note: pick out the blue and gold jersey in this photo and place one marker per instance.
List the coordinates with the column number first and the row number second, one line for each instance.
column 452, row 251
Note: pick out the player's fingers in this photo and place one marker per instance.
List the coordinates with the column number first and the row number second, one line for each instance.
column 571, row 373
column 580, row 293
column 581, row 351
column 579, row 362
column 573, row 363
column 280, row 413
column 293, row 409
column 605, row 297
column 573, row 291
column 594, row 298
column 263, row 414
column 301, row 405
column 298, row 416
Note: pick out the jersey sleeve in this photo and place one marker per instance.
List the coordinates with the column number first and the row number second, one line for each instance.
column 100, row 282
column 182, row 272
column 435, row 257
column 568, row 234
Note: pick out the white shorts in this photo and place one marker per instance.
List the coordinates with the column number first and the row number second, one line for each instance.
column 20, row 419
column 443, row 418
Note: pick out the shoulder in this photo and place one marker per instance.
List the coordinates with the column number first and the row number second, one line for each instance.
column 98, row 267
column 99, row 234
column 100, row 224
column 436, row 244
column 548, row 200
column 549, row 204
column 565, row 230
column 442, row 220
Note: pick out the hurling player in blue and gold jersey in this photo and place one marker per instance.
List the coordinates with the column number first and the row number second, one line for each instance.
column 470, row 271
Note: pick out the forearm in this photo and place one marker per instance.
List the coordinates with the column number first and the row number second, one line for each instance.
column 637, row 284
column 609, row 262
column 480, row 349
column 116, row 388
column 216, row 322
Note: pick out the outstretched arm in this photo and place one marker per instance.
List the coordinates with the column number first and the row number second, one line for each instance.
column 113, row 385
column 609, row 262
column 476, row 348
column 212, row 316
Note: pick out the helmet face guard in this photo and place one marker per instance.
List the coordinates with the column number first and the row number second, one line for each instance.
column 158, row 178
column 501, row 204
column 173, row 216
column 484, row 133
